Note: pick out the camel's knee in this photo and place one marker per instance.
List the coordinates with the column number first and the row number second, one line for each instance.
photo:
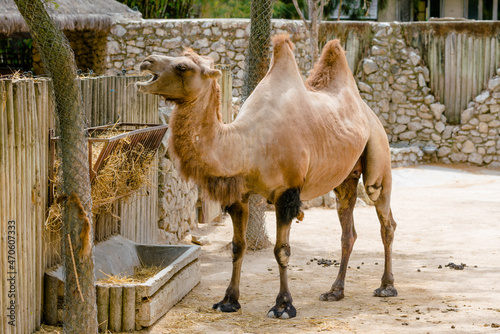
column 373, row 191
column 238, row 248
column 282, row 254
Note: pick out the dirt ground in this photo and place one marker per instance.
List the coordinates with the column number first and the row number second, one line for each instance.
column 444, row 215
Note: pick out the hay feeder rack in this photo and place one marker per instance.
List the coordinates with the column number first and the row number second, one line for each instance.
column 148, row 135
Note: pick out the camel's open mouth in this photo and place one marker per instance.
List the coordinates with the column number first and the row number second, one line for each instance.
column 152, row 79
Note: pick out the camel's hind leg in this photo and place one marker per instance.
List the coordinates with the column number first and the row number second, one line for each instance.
column 377, row 178
column 346, row 200
column 239, row 215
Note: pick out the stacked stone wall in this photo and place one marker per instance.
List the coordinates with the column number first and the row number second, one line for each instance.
column 224, row 40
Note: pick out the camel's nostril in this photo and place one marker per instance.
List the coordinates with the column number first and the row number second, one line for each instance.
column 144, row 65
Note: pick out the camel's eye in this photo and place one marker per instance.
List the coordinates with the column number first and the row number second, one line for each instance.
column 181, row 67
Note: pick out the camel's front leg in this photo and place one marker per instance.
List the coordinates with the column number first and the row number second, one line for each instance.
column 346, row 200
column 287, row 208
column 239, row 215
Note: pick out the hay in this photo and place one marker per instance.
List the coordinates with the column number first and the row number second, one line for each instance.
column 124, row 172
column 141, row 275
column 53, row 223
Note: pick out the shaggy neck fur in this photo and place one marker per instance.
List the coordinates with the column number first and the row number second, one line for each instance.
column 195, row 125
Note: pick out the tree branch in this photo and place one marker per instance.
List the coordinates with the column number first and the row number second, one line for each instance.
column 321, row 6
column 300, row 13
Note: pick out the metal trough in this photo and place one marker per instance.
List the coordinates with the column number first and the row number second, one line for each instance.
column 131, row 306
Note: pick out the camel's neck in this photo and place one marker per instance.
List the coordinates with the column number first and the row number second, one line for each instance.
column 195, row 125
column 202, row 143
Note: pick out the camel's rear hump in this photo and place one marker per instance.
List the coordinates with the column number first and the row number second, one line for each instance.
column 332, row 71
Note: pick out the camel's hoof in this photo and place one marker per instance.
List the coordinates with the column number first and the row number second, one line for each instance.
column 389, row 291
column 226, row 307
column 287, row 312
column 332, row 296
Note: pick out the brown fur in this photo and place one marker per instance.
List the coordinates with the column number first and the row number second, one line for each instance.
column 331, row 68
column 226, row 190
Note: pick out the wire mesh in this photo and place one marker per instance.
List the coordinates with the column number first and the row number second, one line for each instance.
column 256, row 65
column 80, row 312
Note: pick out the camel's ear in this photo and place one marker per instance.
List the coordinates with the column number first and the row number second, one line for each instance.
column 212, row 73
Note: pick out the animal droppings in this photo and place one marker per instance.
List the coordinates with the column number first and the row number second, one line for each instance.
column 325, row 262
column 452, row 265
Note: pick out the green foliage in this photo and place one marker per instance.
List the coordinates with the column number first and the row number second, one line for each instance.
column 161, row 9
column 284, row 9
column 223, row 8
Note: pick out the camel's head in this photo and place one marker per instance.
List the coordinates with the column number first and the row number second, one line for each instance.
column 178, row 79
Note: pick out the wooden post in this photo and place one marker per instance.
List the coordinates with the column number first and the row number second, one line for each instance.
column 102, row 308
column 115, row 308
column 50, row 300
column 128, row 318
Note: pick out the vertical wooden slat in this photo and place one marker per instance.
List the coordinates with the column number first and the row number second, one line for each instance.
column 458, row 80
column 470, row 67
column 475, row 63
column 487, row 60
column 19, row 193
column 492, row 58
column 4, row 166
column 465, row 61
column 30, row 134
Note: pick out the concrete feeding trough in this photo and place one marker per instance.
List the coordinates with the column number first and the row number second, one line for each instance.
column 124, row 307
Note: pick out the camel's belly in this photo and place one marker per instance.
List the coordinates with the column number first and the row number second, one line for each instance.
column 328, row 173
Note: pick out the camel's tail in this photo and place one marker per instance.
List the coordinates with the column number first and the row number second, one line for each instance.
column 332, row 70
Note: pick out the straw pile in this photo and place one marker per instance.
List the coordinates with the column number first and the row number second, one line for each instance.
column 53, row 223
column 125, row 171
column 141, row 275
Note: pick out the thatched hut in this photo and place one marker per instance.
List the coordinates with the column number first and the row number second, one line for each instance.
column 85, row 23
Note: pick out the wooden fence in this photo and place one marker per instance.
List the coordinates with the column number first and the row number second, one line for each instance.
column 461, row 56
column 25, row 119
column 26, row 248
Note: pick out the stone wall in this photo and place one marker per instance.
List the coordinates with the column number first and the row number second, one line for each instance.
column 224, row 40
column 393, row 80
column 177, row 199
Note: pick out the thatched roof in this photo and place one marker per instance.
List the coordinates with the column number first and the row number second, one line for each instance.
column 70, row 15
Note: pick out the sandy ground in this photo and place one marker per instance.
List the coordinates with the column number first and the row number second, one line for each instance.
column 443, row 214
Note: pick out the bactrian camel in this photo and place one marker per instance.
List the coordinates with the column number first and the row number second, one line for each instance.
column 291, row 141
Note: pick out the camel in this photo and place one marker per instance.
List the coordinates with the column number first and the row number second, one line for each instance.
column 291, row 141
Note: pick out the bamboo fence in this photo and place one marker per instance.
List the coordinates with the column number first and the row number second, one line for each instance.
column 26, row 116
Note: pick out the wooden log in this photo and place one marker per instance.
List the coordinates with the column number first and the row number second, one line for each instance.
column 465, row 60
column 50, row 300
column 442, row 66
column 458, row 82
column 475, row 65
column 115, row 308
column 128, row 317
column 451, row 99
column 492, row 58
column 103, row 308
column 487, row 58
column 470, row 66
